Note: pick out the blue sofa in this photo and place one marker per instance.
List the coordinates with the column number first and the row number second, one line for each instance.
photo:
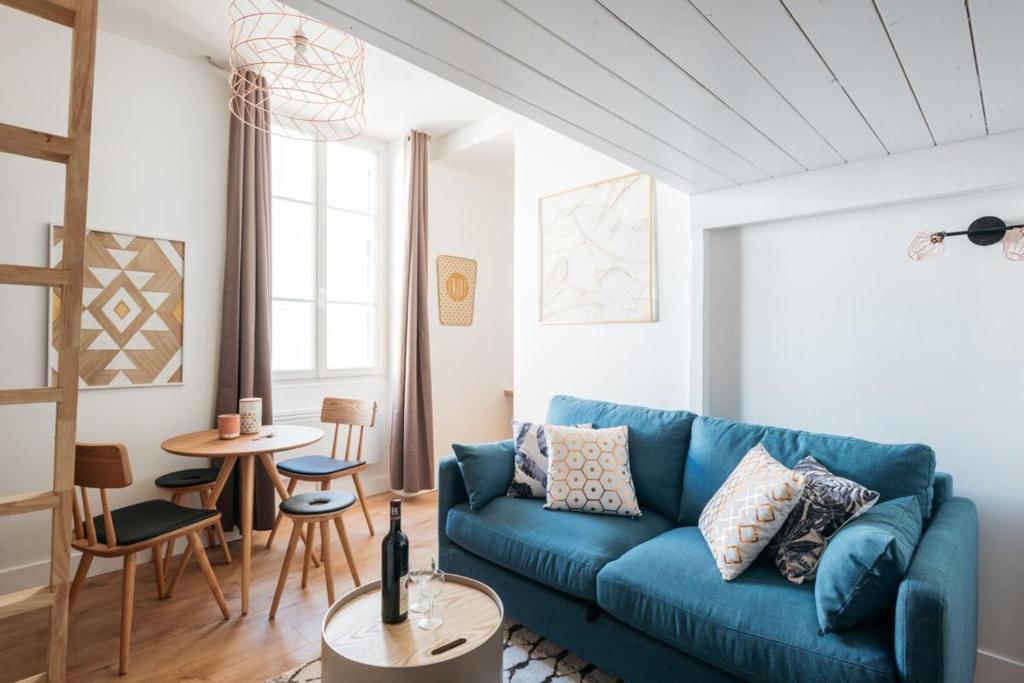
column 643, row 599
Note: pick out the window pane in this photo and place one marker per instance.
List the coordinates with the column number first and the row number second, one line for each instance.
column 293, row 335
column 351, row 336
column 351, row 252
column 351, row 180
column 292, row 163
column 294, row 249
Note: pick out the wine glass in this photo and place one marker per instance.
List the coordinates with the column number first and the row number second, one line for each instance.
column 430, row 588
column 416, row 578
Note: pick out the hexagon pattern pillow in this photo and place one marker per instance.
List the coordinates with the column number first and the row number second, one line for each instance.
column 748, row 510
column 588, row 471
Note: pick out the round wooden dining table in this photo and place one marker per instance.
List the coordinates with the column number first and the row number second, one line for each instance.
column 244, row 450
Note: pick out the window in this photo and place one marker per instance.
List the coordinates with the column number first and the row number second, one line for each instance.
column 327, row 284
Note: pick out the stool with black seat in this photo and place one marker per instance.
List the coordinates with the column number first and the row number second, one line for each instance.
column 199, row 481
column 323, row 469
column 124, row 532
column 306, row 511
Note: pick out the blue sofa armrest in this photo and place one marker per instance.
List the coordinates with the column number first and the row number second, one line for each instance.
column 937, row 606
column 451, row 490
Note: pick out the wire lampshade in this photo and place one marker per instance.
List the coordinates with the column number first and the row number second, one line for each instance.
column 1013, row 244
column 312, row 74
column 926, row 245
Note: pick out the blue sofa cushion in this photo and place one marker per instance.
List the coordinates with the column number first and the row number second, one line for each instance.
column 486, row 469
column 759, row 626
column 860, row 573
column 718, row 446
column 564, row 550
column 658, row 442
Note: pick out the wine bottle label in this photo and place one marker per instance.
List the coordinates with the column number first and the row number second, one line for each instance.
column 403, row 594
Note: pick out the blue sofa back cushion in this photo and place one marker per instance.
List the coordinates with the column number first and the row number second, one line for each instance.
column 658, row 443
column 718, row 446
column 487, row 469
column 860, row 572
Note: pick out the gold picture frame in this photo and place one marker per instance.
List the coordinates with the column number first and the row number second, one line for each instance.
column 606, row 275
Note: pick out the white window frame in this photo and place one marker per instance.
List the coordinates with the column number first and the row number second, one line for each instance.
column 321, row 372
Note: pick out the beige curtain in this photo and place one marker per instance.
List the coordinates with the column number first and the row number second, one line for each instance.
column 412, row 428
column 245, row 316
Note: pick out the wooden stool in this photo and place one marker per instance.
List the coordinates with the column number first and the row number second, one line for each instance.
column 199, row 481
column 323, row 469
column 305, row 510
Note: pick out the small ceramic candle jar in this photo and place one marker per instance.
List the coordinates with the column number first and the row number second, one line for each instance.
column 251, row 412
column 228, row 426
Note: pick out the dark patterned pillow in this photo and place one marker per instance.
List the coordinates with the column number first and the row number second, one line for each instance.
column 827, row 503
column 530, row 478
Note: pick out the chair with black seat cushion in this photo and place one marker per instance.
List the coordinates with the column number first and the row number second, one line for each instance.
column 306, row 510
column 324, row 469
column 126, row 531
column 199, row 481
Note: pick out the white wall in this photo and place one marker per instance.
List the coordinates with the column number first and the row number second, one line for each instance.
column 646, row 363
column 823, row 323
column 159, row 167
column 472, row 217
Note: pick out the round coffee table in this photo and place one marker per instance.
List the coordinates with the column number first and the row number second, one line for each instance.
column 358, row 646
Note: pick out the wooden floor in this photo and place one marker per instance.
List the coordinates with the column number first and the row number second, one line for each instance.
column 186, row 639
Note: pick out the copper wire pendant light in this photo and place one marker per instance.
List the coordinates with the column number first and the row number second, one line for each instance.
column 308, row 75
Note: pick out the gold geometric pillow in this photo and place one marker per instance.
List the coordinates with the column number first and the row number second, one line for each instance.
column 588, row 471
column 748, row 510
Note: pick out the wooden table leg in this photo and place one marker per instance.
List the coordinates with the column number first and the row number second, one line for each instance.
column 246, row 485
column 267, row 460
column 221, row 481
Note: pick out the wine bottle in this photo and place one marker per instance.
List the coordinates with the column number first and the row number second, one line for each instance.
column 394, row 557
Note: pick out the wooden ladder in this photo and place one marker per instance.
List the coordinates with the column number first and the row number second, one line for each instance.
column 72, row 151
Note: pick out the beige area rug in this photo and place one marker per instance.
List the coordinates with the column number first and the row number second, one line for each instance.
column 527, row 658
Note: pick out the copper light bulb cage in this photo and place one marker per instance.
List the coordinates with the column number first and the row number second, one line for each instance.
column 984, row 231
column 312, row 82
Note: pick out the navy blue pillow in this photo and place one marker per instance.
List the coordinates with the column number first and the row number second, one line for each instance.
column 863, row 565
column 486, row 469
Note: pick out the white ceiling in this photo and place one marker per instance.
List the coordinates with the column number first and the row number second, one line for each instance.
column 399, row 96
column 493, row 158
column 708, row 94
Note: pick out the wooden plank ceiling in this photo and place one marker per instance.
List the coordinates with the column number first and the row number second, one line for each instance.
column 707, row 94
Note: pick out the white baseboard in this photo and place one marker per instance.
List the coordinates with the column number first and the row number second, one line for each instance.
column 993, row 668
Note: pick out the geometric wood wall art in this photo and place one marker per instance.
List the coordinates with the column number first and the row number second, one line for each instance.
column 456, row 289
column 132, row 310
column 596, row 253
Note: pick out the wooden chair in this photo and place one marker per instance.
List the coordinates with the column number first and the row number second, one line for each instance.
column 306, row 511
column 323, row 469
column 124, row 532
column 199, row 481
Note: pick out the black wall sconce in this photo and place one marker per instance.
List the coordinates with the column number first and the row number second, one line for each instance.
column 984, row 232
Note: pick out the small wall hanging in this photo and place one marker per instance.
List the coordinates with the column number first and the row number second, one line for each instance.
column 456, row 290
column 597, row 253
column 985, row 231
column 132, row 310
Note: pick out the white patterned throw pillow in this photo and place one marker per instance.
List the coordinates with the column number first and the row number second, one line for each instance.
column 588, row 471
column 530, row 476
column 748, row 510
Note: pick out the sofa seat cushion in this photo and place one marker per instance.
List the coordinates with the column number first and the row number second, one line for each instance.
column 758, row 627
column 717, row 446
column 658, row 442
column 564, row 550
